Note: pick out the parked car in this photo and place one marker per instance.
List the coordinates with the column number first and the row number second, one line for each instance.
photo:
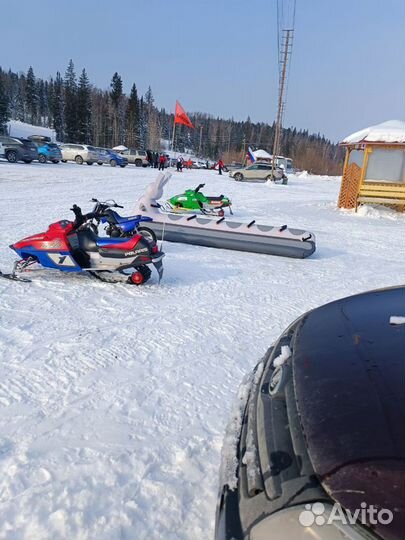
column 79, row 153
column 111, row 158
column 47, row 150
column 136, row 157
column 286, row 163
column 259, row 172
column 234, row 165
column 318, row 426
column 198, row 164
column 18, row 149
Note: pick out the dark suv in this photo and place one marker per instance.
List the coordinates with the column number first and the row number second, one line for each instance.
column 316, row 446
column 16, row 149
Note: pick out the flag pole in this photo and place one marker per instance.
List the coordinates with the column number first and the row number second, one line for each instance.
column 174, row 130
column 174, row 127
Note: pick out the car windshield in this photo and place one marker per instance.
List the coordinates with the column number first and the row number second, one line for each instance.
column 92, row 148
column 28, row 143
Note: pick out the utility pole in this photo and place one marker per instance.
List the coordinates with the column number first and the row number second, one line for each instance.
column 244, row 150
column 285, row 56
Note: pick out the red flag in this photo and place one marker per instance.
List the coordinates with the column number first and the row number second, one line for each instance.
column 181, row 116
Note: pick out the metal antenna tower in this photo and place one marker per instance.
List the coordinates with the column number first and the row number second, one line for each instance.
column 285, row 44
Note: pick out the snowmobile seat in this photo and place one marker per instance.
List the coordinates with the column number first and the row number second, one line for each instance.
column 121, row 219
column 126, row 244
column 215, row 198
column 84, row 240
column 138, row 217
column 87, row 240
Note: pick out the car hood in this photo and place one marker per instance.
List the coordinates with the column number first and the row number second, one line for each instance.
column 349, row 378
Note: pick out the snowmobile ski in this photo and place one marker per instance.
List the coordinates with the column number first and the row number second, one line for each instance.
column 13, row 277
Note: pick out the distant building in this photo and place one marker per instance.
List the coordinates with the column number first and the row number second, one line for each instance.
column 374, row 168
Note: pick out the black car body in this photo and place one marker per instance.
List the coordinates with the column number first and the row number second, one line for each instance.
column 321, row 419
column 18, row 149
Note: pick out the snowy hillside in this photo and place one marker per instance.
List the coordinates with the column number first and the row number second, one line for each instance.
column 22, row 129
column 114, row 399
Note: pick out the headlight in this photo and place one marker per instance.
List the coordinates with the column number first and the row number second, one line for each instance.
column 307, row 523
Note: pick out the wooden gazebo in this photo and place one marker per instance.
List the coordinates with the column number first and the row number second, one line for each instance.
column 374, row 168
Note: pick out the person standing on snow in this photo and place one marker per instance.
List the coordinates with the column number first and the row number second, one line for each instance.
column 221, row 165
column 149, row 158
column 180, row 162
column 162, row 161
column 155, row 160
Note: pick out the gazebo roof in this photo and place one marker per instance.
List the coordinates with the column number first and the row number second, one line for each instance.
column 391, row 132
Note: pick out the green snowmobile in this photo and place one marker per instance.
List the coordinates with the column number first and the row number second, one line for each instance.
column 192, row 201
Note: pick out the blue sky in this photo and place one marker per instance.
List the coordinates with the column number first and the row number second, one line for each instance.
column 220, row 57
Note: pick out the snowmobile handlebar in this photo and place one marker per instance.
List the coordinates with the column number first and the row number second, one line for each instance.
column 108, row 204
column 199, row 187
column 80, row 219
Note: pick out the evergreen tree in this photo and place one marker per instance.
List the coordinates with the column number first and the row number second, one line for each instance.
column 84, row 109
column 13, row 86
column 42, row 92
column 116, row 90
column 19, row 111
column 149, row 100
column 132, row 119
column 70, row 116
column 57, row 107
column 117, row 95
column 150, row 121
column 142, row 124
column 31, row 96
column 4, row 106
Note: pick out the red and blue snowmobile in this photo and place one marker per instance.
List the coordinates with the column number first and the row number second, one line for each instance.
column 75, row 247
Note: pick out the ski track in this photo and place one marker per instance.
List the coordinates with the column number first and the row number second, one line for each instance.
column 114, row 400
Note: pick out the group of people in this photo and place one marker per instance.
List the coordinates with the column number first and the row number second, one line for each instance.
column 159, row 161
column 156, row 160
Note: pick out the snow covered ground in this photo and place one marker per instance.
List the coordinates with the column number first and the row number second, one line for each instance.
column 114, row 399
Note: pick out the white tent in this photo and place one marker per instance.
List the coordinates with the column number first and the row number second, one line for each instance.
column 392, row 131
